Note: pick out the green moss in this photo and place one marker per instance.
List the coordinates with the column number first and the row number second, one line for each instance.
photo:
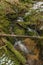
column 18, row 30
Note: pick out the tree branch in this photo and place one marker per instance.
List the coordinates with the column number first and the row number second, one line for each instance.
column 21, row 36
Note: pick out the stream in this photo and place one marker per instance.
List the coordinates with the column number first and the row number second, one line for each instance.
column 38, row 6
column 5, row 60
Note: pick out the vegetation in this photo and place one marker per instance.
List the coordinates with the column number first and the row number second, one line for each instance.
column 24, row 19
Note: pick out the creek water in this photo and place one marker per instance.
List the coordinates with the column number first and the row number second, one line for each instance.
column 7, row 59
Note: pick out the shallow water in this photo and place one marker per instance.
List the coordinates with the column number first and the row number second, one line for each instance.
column 38, row 6
column 7, row 59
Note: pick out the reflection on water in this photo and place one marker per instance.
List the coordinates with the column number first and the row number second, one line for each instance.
column 38, row 6
column 19, row 45
column 20, row 19
column 6, row 59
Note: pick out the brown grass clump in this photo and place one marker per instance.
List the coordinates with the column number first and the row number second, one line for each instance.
column 1, row 43
column 31, row 45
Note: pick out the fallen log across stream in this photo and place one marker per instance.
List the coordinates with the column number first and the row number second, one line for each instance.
column 20, row 36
